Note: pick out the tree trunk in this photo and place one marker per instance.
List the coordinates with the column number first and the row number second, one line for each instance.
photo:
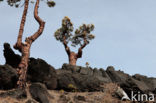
column 24, row 65
column 24, row 48
column 72, row 58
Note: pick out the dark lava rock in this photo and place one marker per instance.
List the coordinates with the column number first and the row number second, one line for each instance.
column 71, row 78
column 11, row 58
column 40, row 71
column 88, row 79
column 17, row 93
column 70, row 68
column 148, row 83
column 8, row 77
column 136, row 83
column 139, row 83
column 39, row 92
column 78, row 82
column 81, row 79
column 117, row 76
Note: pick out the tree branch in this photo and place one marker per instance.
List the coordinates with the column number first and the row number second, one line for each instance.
column 66, row 46
column 79, row 54
column 41, row 23
column 18, row 44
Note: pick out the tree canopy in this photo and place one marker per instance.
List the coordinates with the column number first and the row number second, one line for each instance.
column 17, row 3
column 81, row 35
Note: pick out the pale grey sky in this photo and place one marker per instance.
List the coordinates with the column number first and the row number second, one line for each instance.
column 125, row 33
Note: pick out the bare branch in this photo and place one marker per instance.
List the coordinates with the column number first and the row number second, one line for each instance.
column 79, row 54
column 66, row 46
column 18, row 44
column 40, row 21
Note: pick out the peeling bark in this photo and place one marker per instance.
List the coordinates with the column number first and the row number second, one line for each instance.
column 24, row 48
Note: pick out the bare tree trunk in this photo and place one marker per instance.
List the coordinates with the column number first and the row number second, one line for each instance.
column 23, row 65
column 71, row 55
column 72, row 58
column 18, row 44
column 24, row 48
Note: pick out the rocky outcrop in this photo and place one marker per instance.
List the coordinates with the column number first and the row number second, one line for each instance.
column 11, row 58
column 69, row 78
column 148, row 84
column 38, row 69
column 136, row 83
column 76, row 78
column 8, row 77
column 89, row 79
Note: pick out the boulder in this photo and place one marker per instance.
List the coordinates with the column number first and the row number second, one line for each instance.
column 139, row 83
column 86, row 71
column 135, row 84
column 40, row 71
column 101, row 75
column 39, row 92
column 11, row 58
column 148, row 83
column 71, row 68
column 117, row 76
column 8, row 77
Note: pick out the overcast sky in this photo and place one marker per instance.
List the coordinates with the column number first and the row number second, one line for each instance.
column 125, row 33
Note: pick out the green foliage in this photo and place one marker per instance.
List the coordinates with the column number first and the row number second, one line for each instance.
column 81, row 34
column 65, row 30
column 17, row 3
column 51, row 3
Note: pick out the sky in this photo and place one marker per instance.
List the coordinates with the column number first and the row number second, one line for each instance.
column 125, row 33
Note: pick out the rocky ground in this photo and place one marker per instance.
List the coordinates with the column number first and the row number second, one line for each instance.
column 69, row 84
column 55, row 96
